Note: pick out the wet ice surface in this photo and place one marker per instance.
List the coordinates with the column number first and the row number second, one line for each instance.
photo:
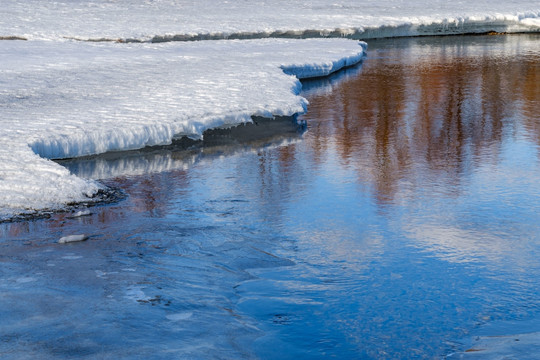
column 402, row 224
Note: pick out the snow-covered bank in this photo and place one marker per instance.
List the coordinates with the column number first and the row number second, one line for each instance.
column 208, row 19
column 78, row 99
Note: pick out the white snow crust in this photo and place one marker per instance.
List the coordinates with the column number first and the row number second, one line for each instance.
column 78, row 98
column 72, row 238
column 144, row 20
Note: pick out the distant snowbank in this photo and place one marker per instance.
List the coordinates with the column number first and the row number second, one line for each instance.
column 61, row 100
column 166, row 20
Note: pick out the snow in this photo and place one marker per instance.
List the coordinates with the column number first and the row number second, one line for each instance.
column 144, row 20
column 76, row 99
column 62, row 98
column 72, row 238
column 80, row 213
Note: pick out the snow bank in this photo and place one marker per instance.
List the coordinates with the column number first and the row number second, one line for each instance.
column 163, row 20
column 61, row 100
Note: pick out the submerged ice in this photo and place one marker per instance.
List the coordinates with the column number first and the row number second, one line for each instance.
column 75, row 99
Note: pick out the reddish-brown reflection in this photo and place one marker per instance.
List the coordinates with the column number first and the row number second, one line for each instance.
column 152, row 192
column 531, row 97
column 441, row 114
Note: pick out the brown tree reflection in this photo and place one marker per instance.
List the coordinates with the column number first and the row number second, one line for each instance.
column 439, row 115
column 531, row 97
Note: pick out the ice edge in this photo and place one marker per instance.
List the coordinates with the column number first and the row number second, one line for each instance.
column 144, row 136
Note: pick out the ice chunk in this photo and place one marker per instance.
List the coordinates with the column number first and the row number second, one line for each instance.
column 72, row 238
column 80, row 214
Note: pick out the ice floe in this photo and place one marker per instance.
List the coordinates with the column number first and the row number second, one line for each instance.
column 72, row 238
column 74, row 99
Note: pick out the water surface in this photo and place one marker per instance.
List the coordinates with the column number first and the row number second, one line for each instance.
column 405, row 220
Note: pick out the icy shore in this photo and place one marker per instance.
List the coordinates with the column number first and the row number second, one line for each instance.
column 165, row 20
column 83, row 98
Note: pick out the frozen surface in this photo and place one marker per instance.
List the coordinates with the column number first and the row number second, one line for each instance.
column 164, row 19
column 74, row 99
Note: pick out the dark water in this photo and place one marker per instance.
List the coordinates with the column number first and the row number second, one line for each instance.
column 404, row 221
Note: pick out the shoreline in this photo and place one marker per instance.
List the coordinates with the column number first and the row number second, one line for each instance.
column 111, row 98
column 262, row 133
column 383, row 32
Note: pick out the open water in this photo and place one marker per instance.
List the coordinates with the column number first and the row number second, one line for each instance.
column 398, row 220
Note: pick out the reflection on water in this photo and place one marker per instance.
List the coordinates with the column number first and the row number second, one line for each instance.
column 444, row 110
column 448, row 118
column 405, row 219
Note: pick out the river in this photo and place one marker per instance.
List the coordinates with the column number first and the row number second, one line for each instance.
column 399, row 219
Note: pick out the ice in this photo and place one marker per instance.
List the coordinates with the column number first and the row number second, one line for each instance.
column 62, row 100
column 208, row 19
column 24, row 280
column 80, row 213
column 72, row 238
column 72, row 257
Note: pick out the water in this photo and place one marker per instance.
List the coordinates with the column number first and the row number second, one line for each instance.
column 404, row 221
